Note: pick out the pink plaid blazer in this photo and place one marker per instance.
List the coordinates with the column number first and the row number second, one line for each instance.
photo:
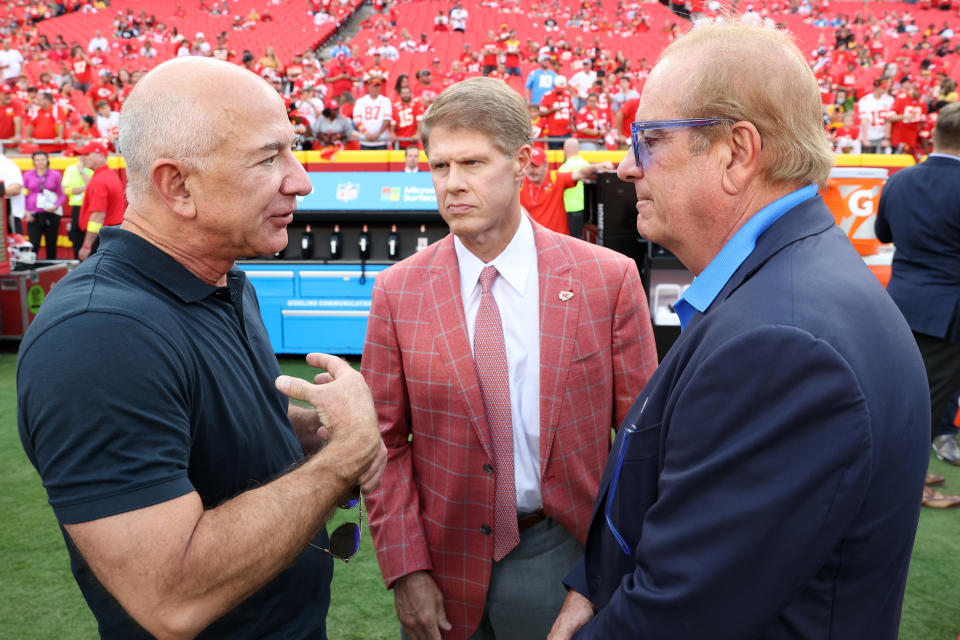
column 435, row 499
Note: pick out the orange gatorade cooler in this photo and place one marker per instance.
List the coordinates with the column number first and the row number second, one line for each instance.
column 853, row 194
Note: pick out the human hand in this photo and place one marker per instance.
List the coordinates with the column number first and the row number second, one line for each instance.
column 84, row 253
column 575, row 612
column 29, row 217
column 345, row 410
column 419, row 606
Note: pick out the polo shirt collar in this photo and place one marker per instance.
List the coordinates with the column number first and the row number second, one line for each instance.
column 705, row 287
column 513, row 263
column 161, row 267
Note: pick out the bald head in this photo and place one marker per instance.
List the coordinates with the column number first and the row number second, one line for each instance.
column 571, row 148
column 183, row 110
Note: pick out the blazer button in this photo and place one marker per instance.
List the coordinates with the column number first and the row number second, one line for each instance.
column 485, row 530
column 488, row 468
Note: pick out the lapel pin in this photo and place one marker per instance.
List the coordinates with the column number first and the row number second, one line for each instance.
column 565, row 295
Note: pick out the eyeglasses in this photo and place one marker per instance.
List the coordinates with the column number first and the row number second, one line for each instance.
column 345, row 539
column 641, row 150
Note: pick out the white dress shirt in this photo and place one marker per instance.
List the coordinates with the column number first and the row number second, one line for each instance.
column 517, row 292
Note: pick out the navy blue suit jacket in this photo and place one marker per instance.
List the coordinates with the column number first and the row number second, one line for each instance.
column 772, row 487
column 920, row 212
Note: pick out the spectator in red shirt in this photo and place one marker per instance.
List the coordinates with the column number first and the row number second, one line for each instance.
column 11, row 118
column 84, row 130
column 103, row 201
column 105, row 90
column 82, row 69
column 456, row 74
column 906, row 117
column 557, row 108
column 512, row 54
column 624, row 118
column 466, row 57
column 376, row 70
column 542, row 194
column 339, row 76
column 424, row 89
column 592, row 124
column 491, row 51
column 45, row 123
column 407, row 114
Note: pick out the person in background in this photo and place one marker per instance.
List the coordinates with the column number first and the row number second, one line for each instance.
column 191, row 492
column 74, row 183
column 918, row 211
column 556, row 107
column 507, row 352
column 573, row 197
column 540, row 81
column 11, row 118
column 103, row 202
column 333, row 128
column 411, row 159
column 43, row 204
column 44, row 125
column 405, row 121
column 372, row 115
column 108, row 122
column 11, row 62
column 542, row 193
column 12, row 180
column 874, row 108
column 743, row 497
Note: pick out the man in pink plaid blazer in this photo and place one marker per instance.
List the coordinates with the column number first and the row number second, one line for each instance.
column 579, row 348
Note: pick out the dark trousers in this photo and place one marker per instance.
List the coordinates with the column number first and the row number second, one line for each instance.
column 575, row 222
column 44, row 224
column 76, row 235
column 942, row 362
column 526, row 588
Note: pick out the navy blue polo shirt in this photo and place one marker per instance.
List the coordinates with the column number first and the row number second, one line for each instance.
column 138, row 383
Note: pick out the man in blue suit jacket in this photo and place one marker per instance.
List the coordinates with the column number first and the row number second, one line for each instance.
column 767, row 482
column 920, row 212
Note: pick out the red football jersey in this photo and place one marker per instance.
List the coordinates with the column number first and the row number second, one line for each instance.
column 406, row 117
column 559, row 122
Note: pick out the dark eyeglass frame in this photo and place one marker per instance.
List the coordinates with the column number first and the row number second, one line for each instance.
column 345, row 539
column 641, row 151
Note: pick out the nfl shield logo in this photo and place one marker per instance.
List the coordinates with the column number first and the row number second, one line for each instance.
column 348, row 191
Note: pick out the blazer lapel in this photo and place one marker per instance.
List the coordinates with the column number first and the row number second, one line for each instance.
column 444, row 305
column 808, row 218
column 560, row 297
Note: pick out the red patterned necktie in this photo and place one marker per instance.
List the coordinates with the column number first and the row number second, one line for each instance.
column 490, row 358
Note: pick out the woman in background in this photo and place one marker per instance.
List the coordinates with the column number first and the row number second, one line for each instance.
column 43, row 202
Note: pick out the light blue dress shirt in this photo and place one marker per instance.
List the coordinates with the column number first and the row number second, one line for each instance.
column 705, row 287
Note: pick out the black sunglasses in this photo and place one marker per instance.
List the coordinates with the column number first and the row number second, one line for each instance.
column 345, row 539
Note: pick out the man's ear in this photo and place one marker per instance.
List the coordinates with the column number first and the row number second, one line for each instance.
column 169, row 179
column 522, row 159
column 741, row 157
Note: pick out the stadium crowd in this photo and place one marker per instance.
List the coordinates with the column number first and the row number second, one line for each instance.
column 884, row 70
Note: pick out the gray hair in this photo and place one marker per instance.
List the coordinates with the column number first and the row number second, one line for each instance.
column 173, row 125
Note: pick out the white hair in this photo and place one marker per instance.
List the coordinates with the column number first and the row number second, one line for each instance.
column 173, row 126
